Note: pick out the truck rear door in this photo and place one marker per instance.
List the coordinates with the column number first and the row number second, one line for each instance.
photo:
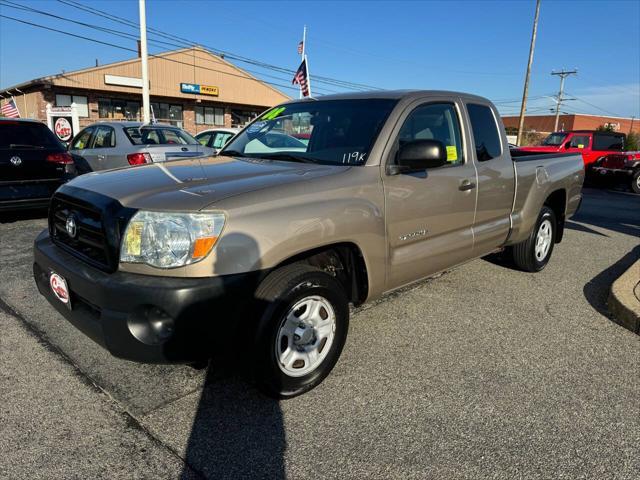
column 429, row 214
column 496, row 178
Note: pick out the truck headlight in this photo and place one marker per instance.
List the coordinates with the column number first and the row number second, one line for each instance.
column 168, row 240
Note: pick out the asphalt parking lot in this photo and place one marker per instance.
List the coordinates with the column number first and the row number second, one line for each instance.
column 483, row 372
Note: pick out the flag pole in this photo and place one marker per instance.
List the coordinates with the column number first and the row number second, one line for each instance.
column 304, row 46
column 145, row 65
column 306, row 62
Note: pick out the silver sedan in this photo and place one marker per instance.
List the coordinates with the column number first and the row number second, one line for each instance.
column 105, row 145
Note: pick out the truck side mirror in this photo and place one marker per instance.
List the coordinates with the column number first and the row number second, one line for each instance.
column 419, row 155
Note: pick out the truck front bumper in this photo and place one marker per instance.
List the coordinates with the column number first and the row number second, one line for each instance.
column 615, row 172
column 145, row 318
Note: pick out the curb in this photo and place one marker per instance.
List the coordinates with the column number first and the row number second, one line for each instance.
column 624, row 300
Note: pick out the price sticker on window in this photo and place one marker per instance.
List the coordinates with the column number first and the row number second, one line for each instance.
column 452, row 153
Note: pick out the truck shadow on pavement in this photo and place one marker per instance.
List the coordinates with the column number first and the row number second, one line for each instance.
column 237, row 432
column 19, row 215
column 596, row 291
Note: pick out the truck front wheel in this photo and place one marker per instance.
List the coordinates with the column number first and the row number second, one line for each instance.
column 534, row 253
column 302, row 328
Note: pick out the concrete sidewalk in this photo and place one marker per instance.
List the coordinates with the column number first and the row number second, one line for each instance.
column 624, row 298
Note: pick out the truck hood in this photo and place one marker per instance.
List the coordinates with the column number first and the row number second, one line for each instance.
column 195, row 184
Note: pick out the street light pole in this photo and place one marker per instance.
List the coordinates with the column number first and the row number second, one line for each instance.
column 146, row 117
column 523, row 107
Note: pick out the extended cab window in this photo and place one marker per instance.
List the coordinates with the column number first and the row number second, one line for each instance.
column 339, row 132
column 436, row 121
column 485, row 132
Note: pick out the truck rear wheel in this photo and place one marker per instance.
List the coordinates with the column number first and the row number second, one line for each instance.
column 635, row 181
column 302, row 329
column 534, row 253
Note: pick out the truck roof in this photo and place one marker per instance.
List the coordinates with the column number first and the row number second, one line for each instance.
column 392, row 94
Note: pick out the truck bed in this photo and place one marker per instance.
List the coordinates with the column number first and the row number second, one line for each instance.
column 537, row 177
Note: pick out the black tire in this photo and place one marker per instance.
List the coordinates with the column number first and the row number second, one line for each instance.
column 524, row 253
column 635, row 181
column 277, row 295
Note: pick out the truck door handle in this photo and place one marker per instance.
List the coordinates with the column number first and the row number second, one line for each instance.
column 466, row 185
column 101, row 157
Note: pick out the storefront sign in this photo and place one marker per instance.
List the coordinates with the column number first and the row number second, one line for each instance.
column 123, row 81
column 199, row 89
column 62, row 128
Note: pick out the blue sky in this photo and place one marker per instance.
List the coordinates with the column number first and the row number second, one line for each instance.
column 475, row 46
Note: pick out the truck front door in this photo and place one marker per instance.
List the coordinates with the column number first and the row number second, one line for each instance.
column 429, row 214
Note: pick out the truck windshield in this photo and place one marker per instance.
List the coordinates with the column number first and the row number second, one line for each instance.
column 336, row 132
column 554, row 139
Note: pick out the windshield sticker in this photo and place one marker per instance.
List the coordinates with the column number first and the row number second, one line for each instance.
column 256, row 127
column 452, row 153
column 272, row 114
column 353, row 157
column 580, row 145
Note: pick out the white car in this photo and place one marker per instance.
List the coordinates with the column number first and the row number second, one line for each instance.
column 216, row 138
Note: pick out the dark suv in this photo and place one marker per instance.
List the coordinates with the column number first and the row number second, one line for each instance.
column 33, row 164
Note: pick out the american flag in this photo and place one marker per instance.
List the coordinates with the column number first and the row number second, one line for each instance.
column 302, row 78
column 300, row 48
column 10, row 110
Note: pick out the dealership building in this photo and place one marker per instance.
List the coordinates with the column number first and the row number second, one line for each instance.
column 545, row 123
column 190, row 88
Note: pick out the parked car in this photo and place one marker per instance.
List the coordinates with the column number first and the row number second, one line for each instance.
column 623, row 166
column 260, row 254
column 106, row 145
column 216, row 138
column 592, row 145
column 33, row 164
column 275, row 142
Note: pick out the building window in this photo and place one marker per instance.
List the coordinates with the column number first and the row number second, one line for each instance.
column 80, row 101
column 239, row 118
column 109, row 108
column 166, row 113
column 209, row 116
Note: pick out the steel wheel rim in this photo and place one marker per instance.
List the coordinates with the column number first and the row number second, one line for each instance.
column 638, row 182
column 305, row 336
column 543, row 240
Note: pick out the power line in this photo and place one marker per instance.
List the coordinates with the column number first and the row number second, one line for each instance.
column 595, row 106
column 129, row 36
column 562, row 74
column 109, row 44
column 231, row 55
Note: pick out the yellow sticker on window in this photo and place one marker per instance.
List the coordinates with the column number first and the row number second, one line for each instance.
column 580, row 145
column 452, row 153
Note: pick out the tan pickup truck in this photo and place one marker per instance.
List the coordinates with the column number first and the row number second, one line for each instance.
column 315, row 205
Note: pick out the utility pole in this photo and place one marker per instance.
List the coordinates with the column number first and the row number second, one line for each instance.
column 146, row 118
column 523, row 107
column 562, row 74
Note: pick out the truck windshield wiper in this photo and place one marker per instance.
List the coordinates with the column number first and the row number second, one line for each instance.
column 24, row 145
column 288, row 157
column 232, row 153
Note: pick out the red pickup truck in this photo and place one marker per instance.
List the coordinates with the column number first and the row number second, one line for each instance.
column 591, row 144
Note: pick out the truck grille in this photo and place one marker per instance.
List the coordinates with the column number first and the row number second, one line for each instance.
column 85, row 236
column 614, row 161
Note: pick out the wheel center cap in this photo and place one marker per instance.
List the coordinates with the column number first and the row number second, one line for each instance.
column 303, row 335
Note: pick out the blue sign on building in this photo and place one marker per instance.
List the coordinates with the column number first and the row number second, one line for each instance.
column 189, row 88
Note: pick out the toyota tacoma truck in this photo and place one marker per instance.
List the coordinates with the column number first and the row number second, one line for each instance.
column 262, row 249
